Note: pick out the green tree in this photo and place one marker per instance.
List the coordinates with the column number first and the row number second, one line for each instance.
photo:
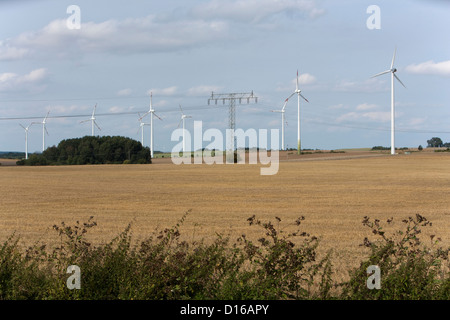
column 435, row 142
column 93, row 150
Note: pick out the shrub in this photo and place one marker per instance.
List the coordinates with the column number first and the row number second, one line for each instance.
column 280, row 268
column 410, row 269
column 281, row 264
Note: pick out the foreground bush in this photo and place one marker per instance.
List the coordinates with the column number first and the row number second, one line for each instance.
column 410, row 269
column 281, row 264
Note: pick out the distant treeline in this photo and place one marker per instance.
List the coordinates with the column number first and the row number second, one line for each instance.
column 92, row 150
column 12, row 155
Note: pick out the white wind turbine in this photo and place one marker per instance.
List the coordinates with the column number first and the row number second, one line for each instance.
column 392, row 70
column 152, row 113
column 92, row 119
column 142, row 124
column 183, row 117
column 298, row 92
column 282, row 111
column 26, row 138
column 44, row 130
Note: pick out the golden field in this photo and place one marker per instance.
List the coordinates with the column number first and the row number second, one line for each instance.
column 333, row 195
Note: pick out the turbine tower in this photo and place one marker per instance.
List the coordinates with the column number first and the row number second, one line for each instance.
column 152, row 113
column 282, row 111
column 142, row 124
column 44, row 130
column 392, row 70
column 92, row 119
column 298, row 92
column 183, row 117
column 26, row 138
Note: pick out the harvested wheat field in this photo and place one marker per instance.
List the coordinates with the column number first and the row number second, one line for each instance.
column 333, row 196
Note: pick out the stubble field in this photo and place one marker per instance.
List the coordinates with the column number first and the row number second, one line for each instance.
column 333, row 196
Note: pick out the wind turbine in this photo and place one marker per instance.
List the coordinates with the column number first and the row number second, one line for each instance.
column 392, row 70
column 92, row 119
column 282, row 111
column 183, row 117
column 44, row 130
column 152, row 113
column 26, row 138
column 142, row 124
column 298, row 92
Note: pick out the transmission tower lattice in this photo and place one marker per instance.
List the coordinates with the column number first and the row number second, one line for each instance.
column 231, row 98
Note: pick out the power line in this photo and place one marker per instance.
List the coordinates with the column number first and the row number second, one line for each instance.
column 221, row 106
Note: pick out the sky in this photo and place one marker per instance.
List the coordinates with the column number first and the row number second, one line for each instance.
column 181, row 51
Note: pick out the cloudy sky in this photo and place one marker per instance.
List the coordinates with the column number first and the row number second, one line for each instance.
column 181, row 51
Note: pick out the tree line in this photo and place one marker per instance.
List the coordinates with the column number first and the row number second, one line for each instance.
column 436, row 142
column 92, row 150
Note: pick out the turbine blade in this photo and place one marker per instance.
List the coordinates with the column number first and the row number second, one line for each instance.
column 393, row 58
column 157, row 116
column 379, row 74
column 97, row 126
column 399, row 80
column 290, row 96
column 179, row 123
column 46, row 115
column 181, row 109
column 46, row 130
column 297, row 81
column 143, row 116
column 93, row 111
column 22, row 126
column 303, row 97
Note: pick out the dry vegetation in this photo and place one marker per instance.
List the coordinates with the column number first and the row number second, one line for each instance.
column 334, row 196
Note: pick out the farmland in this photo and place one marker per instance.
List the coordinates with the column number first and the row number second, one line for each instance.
column 333, row 195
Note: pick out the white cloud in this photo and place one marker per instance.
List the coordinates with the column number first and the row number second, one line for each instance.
column 115, row 109
column 11, row 53
column 430, row 67
column 255, row 11
column 338, row 106
column 366, row 106
column 305, row 79
column 128, row 36
column 211, row 22
column 378, row 116
column 29, row 82
column 366, row 86
column 169, row 91
column 124, row 92
column 202, row 90
column 416, row 121
column 366, row 112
